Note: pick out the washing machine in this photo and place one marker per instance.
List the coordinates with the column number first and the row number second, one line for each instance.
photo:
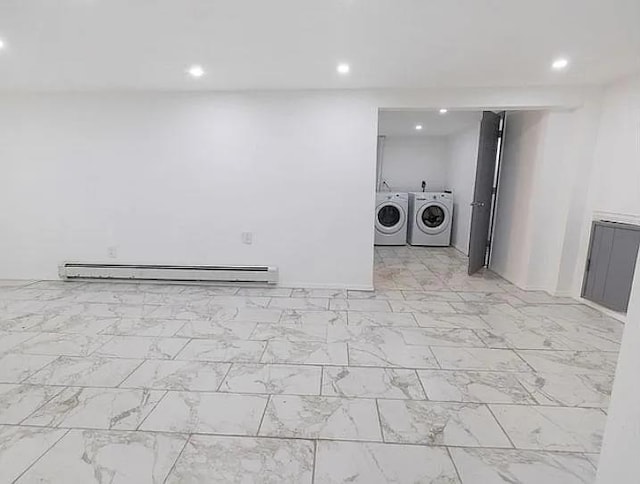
column 391, row 218
column 430, row 217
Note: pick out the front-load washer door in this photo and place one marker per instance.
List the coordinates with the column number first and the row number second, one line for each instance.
column 390, row 217
column 433, row 218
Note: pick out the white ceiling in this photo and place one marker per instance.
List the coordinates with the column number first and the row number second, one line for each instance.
column 278, row 44
column 403, row 123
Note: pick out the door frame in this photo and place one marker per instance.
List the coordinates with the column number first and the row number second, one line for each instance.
column 496, row 186
column 484, row 189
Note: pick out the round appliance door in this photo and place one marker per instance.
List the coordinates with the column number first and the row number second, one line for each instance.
column 390, row 217
column 433, row 218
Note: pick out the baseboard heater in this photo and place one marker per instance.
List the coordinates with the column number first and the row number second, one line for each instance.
column 145, row 272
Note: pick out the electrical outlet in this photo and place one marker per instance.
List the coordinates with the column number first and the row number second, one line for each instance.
column 247, row 238
column 112, row 252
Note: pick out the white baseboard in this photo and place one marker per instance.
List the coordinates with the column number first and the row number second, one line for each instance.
column 461, row 249
column 622, row 317
column 306, row 285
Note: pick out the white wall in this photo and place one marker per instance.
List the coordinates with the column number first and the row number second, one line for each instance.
column 560, row 195
column 581, row 147
column 148, row 173
column 407, row 160
column 618, row 461
column 521, row 155
column 176, row 178
column 614, row 185
column 548, row 157
column 615, row 193
column 461, row 175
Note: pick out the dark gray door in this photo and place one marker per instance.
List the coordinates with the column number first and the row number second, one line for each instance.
column 483, row 192
column 611, row 264
column 598, row 262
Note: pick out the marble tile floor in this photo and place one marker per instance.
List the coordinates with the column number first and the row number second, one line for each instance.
column 434, row 377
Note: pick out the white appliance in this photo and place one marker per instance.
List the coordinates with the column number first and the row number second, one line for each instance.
column 391, row 218
column 430, row 217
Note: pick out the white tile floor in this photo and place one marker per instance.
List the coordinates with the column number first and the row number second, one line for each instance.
column 435, row 377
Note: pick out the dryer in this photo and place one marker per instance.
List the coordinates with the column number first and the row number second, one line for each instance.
column 391, row 218
column 430, row 218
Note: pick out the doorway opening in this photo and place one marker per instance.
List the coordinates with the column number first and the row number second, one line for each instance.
column 436, row 184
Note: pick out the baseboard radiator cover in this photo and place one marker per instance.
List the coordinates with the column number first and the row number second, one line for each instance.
column 153, row 272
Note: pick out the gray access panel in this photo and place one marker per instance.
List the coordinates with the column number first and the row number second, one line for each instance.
column 611, row 263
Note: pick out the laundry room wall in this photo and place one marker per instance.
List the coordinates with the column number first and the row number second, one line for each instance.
column 462, row 157
column 407, row 160
column 445, row 162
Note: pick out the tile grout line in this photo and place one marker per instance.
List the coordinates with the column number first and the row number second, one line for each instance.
column 315, row 460
column 152, row 410
column 379, row 421
column 477, row 335
column 34, row 373
column 453, row 462
column 186, row 442
column 33, row 336
column 320, row 439
column 350, row 397
column 264, row 352
column 43, row 454
column 535, row 372
column 586, row 456
column 424, row 390
column 130, row 373
column 91, row 353
column 264, row 412
column 224, row 377
column 435, row 358
column 413, row 315
column 55, row 395
column 173, row 358
column 255, row 328
column 528, row 392
column 500, row 425
column 178, row 330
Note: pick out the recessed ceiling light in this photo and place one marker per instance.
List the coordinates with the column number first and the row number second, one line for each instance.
column 196, row 71
column 1, row 44
column 418, row 127
column 343, row 68
column 443, row 111
column 559, row 64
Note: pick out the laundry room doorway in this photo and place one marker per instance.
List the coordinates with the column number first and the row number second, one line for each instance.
column 436, row 184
